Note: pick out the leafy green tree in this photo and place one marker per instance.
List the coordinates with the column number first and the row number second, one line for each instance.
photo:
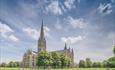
column 104, row 63
column 44, row 59
column 3, row 64
column 67, row 62
column 11, row 64
column 82, row 64
column 96, row 64
column 56, row 59
column 114, row 50
column 64, row 61
column 17, row 64
column 111, row 62
column 88, row 63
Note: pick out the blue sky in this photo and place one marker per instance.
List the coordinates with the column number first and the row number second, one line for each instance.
column 87, row 26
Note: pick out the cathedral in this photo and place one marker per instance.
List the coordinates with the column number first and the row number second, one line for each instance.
column 29, row 57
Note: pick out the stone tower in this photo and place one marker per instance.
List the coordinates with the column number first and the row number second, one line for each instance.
column 42, row 40
column 72, row 58
column 65, row 50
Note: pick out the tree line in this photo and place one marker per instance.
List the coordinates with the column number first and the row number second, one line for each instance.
column 106, row 63
column 10, row 64
column 89, row 64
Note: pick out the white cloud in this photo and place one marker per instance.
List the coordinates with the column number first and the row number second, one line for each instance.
column 4, row 30
column 69, row 4
column 31, row 32
column 80, row 23
column 57, row 8
column 54, row 8
column 63, row 8
column 35, row 33
column 105, row 8
column 46, row 31
column 72, row 40
column 10, row 37
column 13, row 38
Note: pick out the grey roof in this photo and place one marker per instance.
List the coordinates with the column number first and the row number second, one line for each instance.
column 58, row 51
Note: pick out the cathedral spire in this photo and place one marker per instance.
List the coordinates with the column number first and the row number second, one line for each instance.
column 65, row 46
column 42, row 30
column 72, row 51
column 42, row 41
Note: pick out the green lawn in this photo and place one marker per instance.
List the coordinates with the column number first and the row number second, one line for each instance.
column 58, row 69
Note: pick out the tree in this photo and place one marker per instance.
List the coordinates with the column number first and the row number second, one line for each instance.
column 88, row 63
column 64, row 61
column 17, row 64
column 52, row 59
column 114, row 50
column 3, row 64
column 55, row 59
column 44, row 59
column 104, row 63
column 96, row 64
column 111, row 62
column 11, row 64
column 82, row 64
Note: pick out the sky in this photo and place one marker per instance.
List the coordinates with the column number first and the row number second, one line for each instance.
column 87, row 26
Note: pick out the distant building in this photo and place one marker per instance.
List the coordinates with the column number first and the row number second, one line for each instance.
column 29, row 58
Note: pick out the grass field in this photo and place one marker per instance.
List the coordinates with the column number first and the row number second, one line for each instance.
column 58, row 69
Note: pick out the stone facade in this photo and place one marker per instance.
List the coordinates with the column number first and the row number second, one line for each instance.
column 29, row 58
